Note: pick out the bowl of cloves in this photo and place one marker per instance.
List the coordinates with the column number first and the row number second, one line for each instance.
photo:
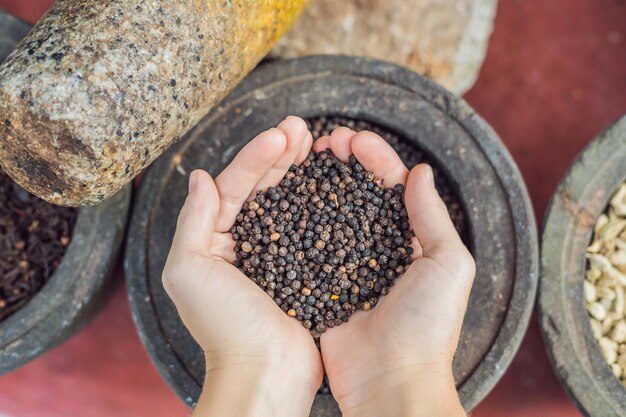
column 583, row 277
column 55, row 269
column 480, row 184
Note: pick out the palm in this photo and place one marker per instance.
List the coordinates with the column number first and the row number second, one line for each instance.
column 261, row 322
column 399, row 320
column 413, row 325
column 224, row 310
column 254, row 312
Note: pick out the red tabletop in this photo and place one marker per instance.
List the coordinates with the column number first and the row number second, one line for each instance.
column 554, row 77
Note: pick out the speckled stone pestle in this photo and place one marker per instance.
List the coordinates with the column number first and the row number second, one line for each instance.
column 98, row 90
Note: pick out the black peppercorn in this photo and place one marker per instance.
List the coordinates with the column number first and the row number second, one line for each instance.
column 325, row 242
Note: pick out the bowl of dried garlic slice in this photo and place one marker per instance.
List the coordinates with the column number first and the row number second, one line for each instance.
column 583, row 277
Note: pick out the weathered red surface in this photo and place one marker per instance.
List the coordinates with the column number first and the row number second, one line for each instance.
column 30, row 10
column 555, row 75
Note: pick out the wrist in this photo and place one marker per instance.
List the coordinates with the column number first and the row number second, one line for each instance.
column 259, row 389
column 405, row 392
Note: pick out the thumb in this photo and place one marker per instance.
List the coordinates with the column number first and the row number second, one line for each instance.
column 442, row 279
column 432, row 225
column 196, row 222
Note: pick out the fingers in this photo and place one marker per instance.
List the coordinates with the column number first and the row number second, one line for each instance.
column 306, row 148
column 196, row 222
column 239, row 179
column 341, row 143
column 295, row 131
column 370, row 150
column 338, row 142
column 378, row 156
column 321, row 144
column 432, row 225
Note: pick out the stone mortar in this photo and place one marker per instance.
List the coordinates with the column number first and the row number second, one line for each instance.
column 580, row 198
column 499, row 213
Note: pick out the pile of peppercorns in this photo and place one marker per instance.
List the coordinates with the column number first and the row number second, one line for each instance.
column 410, row 154
column 328, row 240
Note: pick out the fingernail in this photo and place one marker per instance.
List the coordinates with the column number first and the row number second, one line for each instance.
column 430, row 176
column 193, row 181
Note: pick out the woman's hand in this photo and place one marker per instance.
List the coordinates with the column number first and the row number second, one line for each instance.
column 260, row 362
column 396, row 360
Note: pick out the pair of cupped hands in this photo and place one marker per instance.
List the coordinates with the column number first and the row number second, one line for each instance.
column 394, row 360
